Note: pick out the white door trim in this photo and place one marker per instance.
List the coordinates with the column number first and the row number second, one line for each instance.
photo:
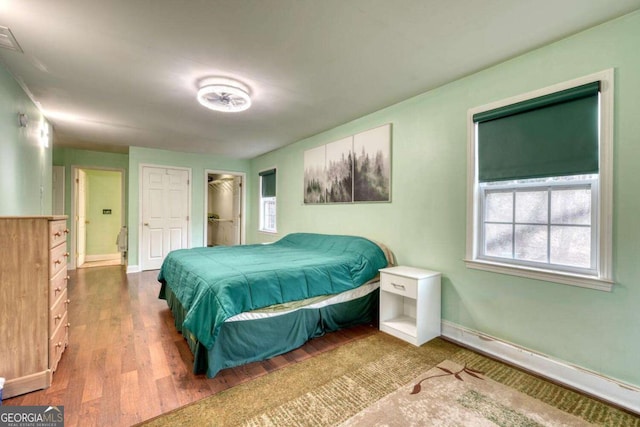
column 141, row 166
column 74, row 205
column 243, row 202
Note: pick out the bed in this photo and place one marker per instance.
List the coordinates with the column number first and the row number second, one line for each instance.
column 240, row 304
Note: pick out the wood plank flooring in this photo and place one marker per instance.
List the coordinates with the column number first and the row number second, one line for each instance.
column 127, row 363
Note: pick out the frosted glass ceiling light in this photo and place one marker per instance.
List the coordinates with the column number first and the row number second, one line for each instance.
column 228, row 96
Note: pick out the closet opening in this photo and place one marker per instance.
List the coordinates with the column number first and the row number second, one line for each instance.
column 224, row 206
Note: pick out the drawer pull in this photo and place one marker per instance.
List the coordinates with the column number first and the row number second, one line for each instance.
column 66, row 231
column 66, row 254
column 67, row 278
column 56, row 290
column 58, row 317
column 58, row 233
column 57, row 261
column 68, row 325
column 58, row 345
column 400, row 287
column 67, row 302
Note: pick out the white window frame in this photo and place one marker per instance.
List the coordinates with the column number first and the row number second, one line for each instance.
column 602, row 211
column 263, row 201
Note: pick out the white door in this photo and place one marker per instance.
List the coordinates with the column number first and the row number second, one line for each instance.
column 237, row 210
column 165, row 214
column 81, row 247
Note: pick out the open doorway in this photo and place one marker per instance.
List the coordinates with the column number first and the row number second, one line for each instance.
column 224, row 205
column 98, row 217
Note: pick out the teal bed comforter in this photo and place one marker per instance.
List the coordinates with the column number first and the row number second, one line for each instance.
column 214, row 284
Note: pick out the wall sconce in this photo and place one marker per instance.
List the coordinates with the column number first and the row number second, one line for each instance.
column 44, row 134
column 23, row 120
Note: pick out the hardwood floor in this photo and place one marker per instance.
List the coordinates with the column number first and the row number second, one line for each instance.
column 126, row 363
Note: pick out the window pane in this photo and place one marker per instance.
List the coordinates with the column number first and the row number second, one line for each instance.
column 499, row 206
column 571, row 206
column 571, row 246
column 531, row 207
column 268, row 214
column 531, row 242
column 498, row 240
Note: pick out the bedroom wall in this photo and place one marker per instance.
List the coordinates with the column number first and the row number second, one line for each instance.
column 25, row 166
column 198, row 163
column 425, row 222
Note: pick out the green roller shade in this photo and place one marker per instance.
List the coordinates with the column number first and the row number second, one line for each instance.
column 268, row 183
column 553, row 135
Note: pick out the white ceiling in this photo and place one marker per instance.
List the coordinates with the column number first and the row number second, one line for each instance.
column 113, row 73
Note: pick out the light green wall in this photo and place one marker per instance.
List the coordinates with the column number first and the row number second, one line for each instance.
column 25, row 166
column 425, row 222
column 198, row 163
column 104, row 191
column 87, row 159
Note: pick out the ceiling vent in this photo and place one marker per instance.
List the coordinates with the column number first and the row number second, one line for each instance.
column 7, row 40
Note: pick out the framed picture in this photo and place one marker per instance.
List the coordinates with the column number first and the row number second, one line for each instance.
column 352, row 169
column 315, row 175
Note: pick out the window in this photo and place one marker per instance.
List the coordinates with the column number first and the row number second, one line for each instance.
column 268, row 200
column 545, row 223
column 540, row 186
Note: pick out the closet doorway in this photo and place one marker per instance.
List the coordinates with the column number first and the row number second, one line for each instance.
column 98, row 217
column 224, row 208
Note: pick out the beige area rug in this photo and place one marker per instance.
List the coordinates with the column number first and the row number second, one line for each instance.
column 370, row 382
column 455, row 395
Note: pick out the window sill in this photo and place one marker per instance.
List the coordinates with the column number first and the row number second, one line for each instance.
column 268, row 231
column 545, row 275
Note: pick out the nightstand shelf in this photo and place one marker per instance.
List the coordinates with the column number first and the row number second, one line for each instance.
column 410, row 303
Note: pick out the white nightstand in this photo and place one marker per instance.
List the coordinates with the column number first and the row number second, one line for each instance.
column 410, row 303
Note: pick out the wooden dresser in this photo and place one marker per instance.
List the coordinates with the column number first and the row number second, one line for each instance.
column 34, row 324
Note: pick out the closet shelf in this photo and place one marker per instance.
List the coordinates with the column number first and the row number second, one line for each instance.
column 220, row 181
column 220, row 220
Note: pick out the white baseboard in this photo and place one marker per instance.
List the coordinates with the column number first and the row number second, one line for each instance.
column 623, row 395
column 133, row 269
column 103, row 257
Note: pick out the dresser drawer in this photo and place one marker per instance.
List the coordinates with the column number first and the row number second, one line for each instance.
column 57, row 312
column 404, row 286
column 58, row 259
column 57, row 285
column 58, row 343
column 57, row 232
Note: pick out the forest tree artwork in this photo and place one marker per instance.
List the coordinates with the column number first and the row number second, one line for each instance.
column 353, row 169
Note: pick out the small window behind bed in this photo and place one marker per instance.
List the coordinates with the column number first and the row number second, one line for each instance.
column 268, row 200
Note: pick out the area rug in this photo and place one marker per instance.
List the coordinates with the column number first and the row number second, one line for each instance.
column 379, row 379
column 456, row 395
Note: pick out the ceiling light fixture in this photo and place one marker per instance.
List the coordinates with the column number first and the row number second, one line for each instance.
column 224, row 95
